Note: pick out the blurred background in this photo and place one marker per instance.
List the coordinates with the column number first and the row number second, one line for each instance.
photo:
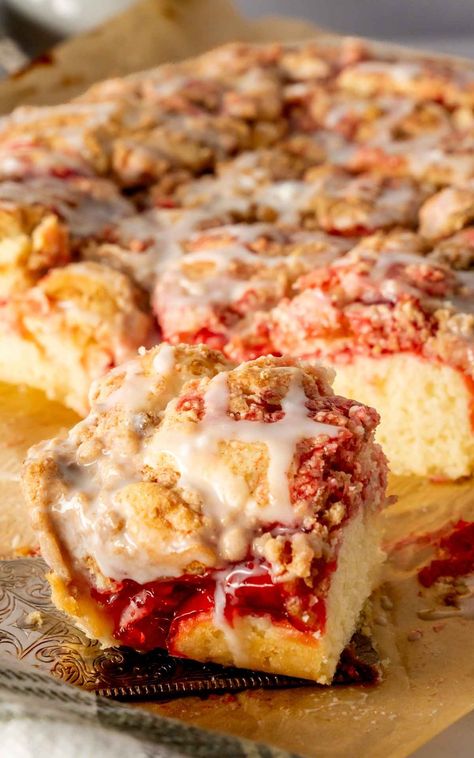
column 445, row 25
column 442, row 25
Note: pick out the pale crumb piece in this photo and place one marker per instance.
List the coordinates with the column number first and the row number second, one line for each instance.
column 414, row 635
column 335, row 514
column 386, row 602
column 290, row 556
column 35, row 619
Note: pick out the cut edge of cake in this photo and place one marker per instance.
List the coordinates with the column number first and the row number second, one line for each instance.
column 426, row 410
column 258, row 643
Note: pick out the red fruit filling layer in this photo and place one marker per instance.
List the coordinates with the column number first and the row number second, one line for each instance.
column 454, row 555
column 147, row 616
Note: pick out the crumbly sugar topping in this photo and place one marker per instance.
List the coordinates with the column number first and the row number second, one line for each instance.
column 372, row 301
column 186, row 464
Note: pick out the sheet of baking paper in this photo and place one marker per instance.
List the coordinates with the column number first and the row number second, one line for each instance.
column 151, row 32
column 26, row 417
column 429, row 666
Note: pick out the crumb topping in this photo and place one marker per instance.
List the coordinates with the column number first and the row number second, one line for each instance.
column 371, row 302
column 186, row 464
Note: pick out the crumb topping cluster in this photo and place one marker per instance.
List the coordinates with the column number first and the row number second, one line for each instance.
column 369, row 302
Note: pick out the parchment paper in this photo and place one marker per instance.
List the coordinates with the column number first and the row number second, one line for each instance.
column 149, row 33
column 429, row 666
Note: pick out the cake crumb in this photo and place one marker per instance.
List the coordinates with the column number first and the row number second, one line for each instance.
column 35, row 619
column 386, row 602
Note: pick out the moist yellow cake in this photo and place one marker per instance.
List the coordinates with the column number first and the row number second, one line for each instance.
column 426, row 411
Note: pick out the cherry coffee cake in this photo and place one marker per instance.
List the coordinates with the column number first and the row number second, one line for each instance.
column 313, row 200
column 188, row 256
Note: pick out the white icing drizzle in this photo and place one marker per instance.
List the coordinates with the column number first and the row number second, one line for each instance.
column 287, row 198
column 402, row 73
column 96, row 522
column 92, row 114
column 69, row 124
column 164, row 360
column 227, row 582
column 221, row 285
column 244, row 233
column 133, row 392
column 422, row 158
column 233, row 639
column 245, row 184
column 222, row 270
column 390, row 283
column 87, row 208
column 280, row 437
column 163, row 231
column 386, row 277
column 166, row 85
column 231, row 252
column 225, row 496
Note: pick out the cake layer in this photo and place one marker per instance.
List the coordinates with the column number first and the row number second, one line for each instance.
column 69, row 329
column 258, row 642
column 426, row 412
column 258, row 639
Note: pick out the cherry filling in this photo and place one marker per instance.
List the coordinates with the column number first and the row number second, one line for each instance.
column 454, row 555
column 147, row 616
column 205, row 336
